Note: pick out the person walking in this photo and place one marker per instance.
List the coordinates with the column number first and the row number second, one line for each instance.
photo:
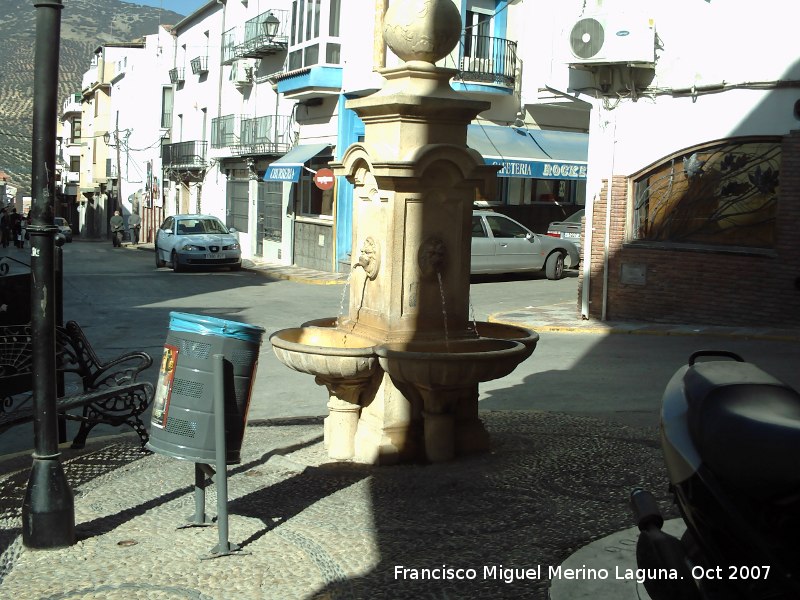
column 15, row 225
column 117, row 224
column 5, row 226
column 135, row 224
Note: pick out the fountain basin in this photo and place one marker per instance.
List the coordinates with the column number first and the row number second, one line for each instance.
column 457, row 364
column 325, row 352
column 527, row 337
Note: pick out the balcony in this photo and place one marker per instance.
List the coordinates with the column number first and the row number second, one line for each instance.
column 199, row 65
column 71, row 104
column 266, row 34
column 176, row 75
column 487, row 61
column 187, row 155
column 248, row 136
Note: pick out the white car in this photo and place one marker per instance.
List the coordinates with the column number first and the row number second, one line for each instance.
column 502, row 245
column 195, row 241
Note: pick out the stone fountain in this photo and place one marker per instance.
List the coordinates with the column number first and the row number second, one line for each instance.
column 402, row 367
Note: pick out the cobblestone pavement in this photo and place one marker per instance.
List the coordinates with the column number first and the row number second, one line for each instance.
column 312, row 528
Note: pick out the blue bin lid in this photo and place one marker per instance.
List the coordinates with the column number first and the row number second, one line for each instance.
column 205, row 325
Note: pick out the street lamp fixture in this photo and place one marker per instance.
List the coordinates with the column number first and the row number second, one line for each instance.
column 270, row 25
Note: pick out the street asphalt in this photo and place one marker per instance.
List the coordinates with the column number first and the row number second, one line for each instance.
column 544, row 514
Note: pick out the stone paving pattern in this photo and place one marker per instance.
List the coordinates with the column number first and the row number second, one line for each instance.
column 313, row 528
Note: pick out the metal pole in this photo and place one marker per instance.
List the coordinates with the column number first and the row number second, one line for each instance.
column 48, row 511
column 60, row 388
column 224, row 547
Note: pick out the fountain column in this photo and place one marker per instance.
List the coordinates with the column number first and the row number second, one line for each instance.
column 402, row 367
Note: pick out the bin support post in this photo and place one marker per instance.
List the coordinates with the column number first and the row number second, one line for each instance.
column 199, row 519
column 224, row 547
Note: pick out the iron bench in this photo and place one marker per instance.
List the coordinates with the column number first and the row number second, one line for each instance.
column 110, row 392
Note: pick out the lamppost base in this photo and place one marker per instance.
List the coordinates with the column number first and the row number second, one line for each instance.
column 48, row 511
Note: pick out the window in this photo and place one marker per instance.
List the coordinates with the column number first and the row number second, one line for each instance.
column 166, row 107
column 312, row 201
column 75, row 164
column 722, row 195
column 311, row 41
column 505, row 228
column 76, row 128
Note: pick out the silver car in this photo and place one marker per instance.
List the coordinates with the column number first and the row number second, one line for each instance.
column 568, row 229
column 63, row 227
column 197, row 240
column 501, row 245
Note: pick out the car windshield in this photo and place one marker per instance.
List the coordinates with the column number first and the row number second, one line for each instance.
column 195, row 226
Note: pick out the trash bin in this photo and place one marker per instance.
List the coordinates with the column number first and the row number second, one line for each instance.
column 182, row 422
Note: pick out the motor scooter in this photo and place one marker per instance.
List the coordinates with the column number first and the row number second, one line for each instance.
column 730, row 434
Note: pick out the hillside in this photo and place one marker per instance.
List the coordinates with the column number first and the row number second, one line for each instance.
column 85, row 25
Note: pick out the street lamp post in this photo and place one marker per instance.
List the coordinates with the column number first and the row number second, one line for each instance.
column 48, row 511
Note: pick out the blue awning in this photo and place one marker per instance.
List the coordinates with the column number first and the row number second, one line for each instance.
column 531, row 153
column 289, row 166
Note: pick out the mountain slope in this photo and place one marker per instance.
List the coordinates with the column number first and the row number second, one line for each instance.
column 85, row 25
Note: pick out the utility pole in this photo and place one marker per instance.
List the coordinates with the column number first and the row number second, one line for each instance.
column 48, row 511
column 118, row 201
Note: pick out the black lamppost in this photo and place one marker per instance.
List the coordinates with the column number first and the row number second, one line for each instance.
column 48, row 511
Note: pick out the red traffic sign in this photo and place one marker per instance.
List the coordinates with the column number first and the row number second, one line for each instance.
column 324, row 179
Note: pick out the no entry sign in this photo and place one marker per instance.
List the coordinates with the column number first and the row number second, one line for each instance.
column 324, row 179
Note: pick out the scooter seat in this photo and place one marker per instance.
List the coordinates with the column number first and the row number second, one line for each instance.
column 745, row 425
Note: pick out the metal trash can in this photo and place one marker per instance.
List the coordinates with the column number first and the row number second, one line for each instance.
column 182, row 422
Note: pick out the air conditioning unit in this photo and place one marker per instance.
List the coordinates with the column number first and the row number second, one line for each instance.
column 613, row 39
column 242, row 73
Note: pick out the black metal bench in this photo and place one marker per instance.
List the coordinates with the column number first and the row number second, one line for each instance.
column 110, row 392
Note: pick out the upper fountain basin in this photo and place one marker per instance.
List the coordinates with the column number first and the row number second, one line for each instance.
column 325, row 352
column 502, row 331
column 454, row 364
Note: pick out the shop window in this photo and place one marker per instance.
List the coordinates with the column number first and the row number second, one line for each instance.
column 312, row 201
column 723, row 195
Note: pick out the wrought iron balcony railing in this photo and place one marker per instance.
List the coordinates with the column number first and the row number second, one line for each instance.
column 266, row 34
column 245, row 135
column 199, row 65
column 184, row 154
column 176, row 75
column 488, row 60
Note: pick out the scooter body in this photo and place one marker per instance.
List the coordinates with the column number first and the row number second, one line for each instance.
column 730, row 434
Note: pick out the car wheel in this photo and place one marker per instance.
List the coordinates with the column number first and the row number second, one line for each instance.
column 554, row 267
column 176, row 266
column 160, row 262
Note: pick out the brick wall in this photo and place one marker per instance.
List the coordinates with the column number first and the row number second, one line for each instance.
column 703, row 287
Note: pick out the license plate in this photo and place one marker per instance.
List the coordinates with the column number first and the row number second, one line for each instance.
column 570, row 234
column 213, row 255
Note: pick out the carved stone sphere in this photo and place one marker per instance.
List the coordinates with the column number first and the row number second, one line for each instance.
column 425, row 30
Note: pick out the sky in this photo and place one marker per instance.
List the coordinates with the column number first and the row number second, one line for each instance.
column 182, row 7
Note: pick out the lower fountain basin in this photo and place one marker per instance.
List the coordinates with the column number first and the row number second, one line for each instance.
column 325, row 352
column 456, row 364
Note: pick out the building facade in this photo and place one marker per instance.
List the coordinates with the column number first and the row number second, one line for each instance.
column 692, row 199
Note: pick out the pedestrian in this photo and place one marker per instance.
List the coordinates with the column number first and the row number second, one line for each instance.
column 14, row 225
column 5, row 226
column 134, row 224
column 117, row 224
column 23, row 230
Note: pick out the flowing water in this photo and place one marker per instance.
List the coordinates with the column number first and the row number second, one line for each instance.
column 444, row 310
column 344, row 295
column 472, row 316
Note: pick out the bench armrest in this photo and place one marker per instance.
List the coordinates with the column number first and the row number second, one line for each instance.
column 123, row 369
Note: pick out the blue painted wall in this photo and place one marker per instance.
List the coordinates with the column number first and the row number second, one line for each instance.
column 351, row 128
